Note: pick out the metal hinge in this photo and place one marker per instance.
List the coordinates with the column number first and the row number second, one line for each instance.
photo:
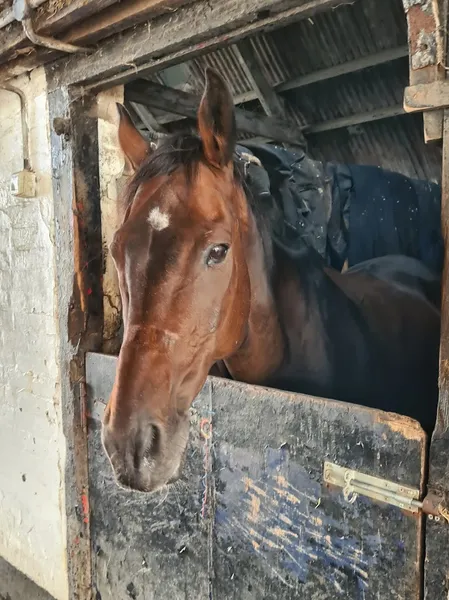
column 356, row 484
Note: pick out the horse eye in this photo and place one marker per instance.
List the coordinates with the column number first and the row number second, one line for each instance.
column 217, row 254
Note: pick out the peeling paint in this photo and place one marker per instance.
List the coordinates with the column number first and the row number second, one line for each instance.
column 425, row 53
column 425, row 4
column 407, row 427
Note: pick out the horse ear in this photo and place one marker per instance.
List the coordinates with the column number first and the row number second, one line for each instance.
column 216, row 120
column 135, row 147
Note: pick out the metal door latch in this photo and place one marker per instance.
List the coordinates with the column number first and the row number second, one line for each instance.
column 355, row 483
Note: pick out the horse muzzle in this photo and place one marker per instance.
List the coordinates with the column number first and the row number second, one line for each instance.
column 146, row 456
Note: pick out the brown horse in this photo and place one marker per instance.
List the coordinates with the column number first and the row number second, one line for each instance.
column 201, row 282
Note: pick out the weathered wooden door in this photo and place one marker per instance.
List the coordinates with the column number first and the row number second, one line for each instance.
column 254, row 517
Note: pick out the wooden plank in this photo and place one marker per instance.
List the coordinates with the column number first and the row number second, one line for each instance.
column 109, row 20
column 357, row 119
column 437, row 532
column 19, row 66
column 192, row 30
column 161, row 97
column 112, row 182
column 74, row 155
column 49, row 21
column 268, row 527
column 351, row 66
column 162, row 119
column 426, row 96
column 146, row 117
column 121, row 17
column 56, row 20
column 272, row 104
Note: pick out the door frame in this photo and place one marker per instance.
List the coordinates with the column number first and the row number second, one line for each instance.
column 73, row 83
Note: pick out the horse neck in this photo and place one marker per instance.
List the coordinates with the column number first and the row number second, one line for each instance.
column 302, row 291
column 326, row 336
column 287, row 333
column 302, row 327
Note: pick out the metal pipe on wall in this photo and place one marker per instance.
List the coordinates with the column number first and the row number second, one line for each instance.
column 22, row 11
column 23, row 113
column 7, row 15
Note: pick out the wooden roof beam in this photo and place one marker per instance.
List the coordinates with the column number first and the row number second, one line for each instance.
column 271, row 102
column 82, row 22
column 49, row 22
column 357, row 119
column 161, row 97
column 147, row 118
column 341, row 123
column 346, row 68
column 178, row 36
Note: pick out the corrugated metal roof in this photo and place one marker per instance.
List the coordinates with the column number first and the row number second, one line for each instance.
column 362, row 92
column 328, row 39
column 396, row 144
column 348, row 33
column 331, row 38
column 224, row 61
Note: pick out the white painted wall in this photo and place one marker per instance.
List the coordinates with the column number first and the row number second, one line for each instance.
column 32, row 445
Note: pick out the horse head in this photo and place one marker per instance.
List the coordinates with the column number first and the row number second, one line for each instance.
column 192, row 273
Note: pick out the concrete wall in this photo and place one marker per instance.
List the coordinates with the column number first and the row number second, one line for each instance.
column 32, row 445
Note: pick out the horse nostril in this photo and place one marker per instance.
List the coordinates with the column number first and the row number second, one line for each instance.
column 147, row 446
column 153, row 447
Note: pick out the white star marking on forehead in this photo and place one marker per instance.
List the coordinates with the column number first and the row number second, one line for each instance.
column 158, row 220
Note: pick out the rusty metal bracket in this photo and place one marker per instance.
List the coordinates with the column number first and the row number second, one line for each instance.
column 434, row 505
column 356, row 484
column 22, row 12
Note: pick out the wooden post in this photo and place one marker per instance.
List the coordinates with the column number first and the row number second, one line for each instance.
column 437, row 531
column 74, row 148
column 426, row 42
column 111, row 171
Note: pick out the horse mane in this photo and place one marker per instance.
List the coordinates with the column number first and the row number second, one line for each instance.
column 185, row 150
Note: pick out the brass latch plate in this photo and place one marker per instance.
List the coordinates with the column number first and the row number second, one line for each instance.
column 355, row 483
